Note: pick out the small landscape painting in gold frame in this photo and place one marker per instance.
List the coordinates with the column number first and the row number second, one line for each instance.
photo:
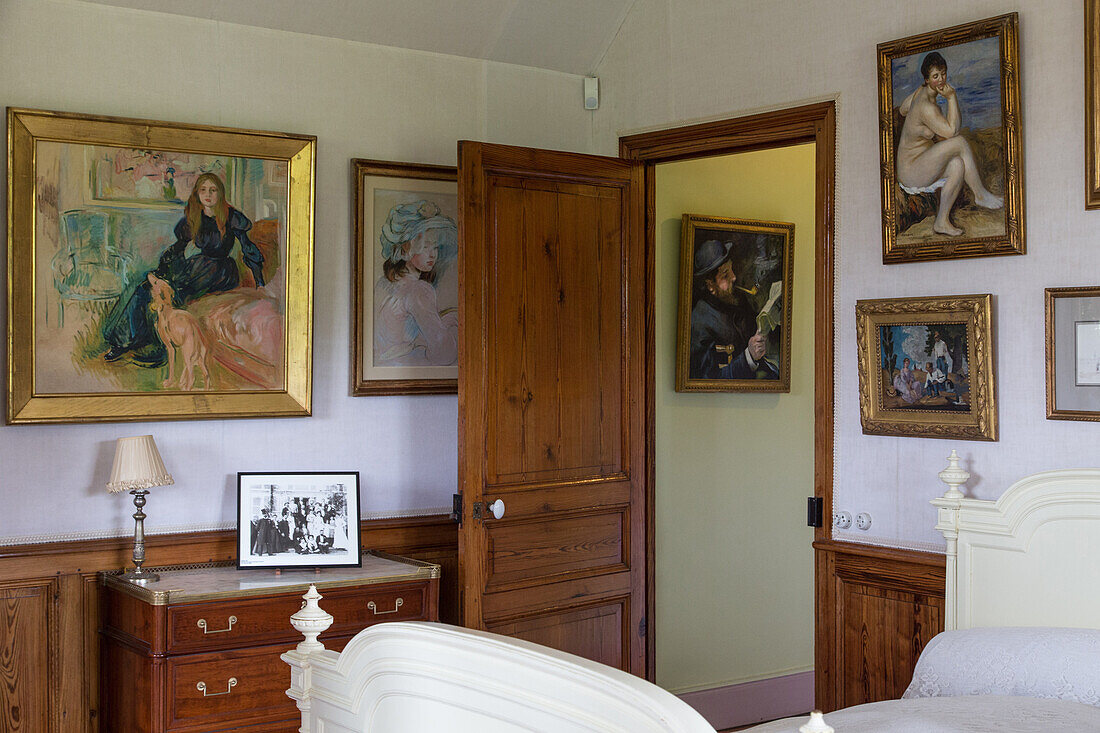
column 926, row 367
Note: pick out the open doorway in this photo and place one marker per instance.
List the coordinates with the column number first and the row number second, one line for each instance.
column 732, row 600
column 733, row 469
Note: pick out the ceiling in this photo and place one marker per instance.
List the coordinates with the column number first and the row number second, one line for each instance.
column 563, row 35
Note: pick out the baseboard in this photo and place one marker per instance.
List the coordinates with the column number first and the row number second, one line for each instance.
column 754, row 702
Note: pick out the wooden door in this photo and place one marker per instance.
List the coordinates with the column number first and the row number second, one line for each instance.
column 551, row 399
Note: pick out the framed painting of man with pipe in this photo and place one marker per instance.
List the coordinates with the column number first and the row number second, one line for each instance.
column 733, row 325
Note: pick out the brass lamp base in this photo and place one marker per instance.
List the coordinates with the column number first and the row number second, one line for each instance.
column 139, row 541
column 139, row 574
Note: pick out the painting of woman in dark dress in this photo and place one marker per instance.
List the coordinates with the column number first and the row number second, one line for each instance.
column 170, row 278
column 212, row 227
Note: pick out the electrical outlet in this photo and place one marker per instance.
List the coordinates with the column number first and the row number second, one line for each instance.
column 863, row 520
column 842, row 520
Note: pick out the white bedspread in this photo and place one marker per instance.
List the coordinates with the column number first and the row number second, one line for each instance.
column 975, row 714
column 1036, row 662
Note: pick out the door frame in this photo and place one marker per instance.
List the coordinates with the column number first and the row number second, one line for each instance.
column 814, row 123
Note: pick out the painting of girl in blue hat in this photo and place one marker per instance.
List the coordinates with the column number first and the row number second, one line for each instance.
column 413, row 326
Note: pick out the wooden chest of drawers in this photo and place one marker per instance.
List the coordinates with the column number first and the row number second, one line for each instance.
column 198, row 650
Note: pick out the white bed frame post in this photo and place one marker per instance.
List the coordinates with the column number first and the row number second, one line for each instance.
column 948, row 523
column 311, row 621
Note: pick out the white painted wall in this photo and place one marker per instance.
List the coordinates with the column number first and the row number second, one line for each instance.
column 682, row 61
column 360, row 101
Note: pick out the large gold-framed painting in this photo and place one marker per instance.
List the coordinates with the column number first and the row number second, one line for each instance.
column 157, row 270
column 950, row 143
column 926, row 366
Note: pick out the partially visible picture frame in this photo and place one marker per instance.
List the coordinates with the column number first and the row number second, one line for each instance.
column 950, row 143
column 926, row 367
column 157, row 270
column 405, row 279
column 298, row 519
column 1073, row 353
column 734, row 318
column 1092, row 99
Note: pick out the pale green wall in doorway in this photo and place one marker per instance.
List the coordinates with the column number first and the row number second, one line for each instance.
column 734, row 566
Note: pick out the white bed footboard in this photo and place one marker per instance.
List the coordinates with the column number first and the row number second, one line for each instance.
column 419, row 676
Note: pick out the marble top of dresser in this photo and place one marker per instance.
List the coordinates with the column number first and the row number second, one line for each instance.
column 208, row 582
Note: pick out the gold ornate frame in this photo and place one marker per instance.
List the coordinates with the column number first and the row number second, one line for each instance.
column 1053, row 296
column 1092, row 98
column 684, row 381
column 404, row 380
column 980, row 423
column 1006, row 28
column 25, row 404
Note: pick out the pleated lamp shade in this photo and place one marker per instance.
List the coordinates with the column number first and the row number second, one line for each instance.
column 137, row 465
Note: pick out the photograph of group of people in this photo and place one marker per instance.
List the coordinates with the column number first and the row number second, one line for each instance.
column 292, row 519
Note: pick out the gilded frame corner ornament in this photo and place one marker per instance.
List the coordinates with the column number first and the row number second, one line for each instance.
column 970, row 412
column 280, row 386
column 898, row 249
column 1068, row 396
column 740, row 237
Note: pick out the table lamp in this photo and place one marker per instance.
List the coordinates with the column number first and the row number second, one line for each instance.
column 138, row 468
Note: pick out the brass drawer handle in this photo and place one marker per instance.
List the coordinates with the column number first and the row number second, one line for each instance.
column 201, row 686
column 371, row 605
column 202, row 625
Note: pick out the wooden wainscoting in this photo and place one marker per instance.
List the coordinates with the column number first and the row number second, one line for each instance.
column 876, row 609
column 49, row 614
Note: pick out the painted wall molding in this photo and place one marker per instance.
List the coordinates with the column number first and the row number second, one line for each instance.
column 121, row 532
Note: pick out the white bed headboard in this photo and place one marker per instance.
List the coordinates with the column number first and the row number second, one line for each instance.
column 1031, row 558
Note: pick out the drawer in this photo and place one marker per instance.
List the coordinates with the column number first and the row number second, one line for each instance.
column 235, row 623
column 220, row 690
column 232, row 623
column 352, row 612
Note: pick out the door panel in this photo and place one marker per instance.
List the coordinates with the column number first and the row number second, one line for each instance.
column 543, row 549
column 551, row 325
column 589, row 632
column 551, row 399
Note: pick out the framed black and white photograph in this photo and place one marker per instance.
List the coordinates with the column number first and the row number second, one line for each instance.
column 298, row 519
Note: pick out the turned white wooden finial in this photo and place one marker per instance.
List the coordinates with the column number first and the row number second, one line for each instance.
column 817, row 724
column 954, row 477
column 311, row 621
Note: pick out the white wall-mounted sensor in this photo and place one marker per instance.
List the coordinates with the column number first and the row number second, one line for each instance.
column 591, row 92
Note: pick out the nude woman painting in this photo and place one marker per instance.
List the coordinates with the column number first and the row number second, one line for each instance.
column 952, row 169
column 931, row 152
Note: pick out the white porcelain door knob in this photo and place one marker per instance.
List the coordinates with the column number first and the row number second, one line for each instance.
column 497, row 508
